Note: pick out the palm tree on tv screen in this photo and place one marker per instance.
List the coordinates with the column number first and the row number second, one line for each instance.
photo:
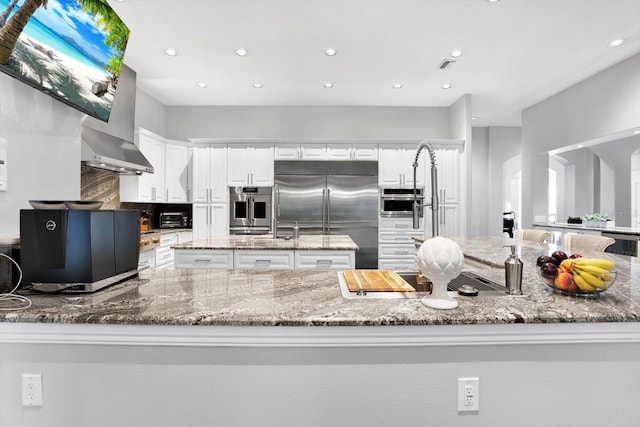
column 10, row 32
column 7, row 11
column 117, row 32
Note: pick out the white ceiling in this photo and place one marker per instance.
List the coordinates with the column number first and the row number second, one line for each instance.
column 516, row 52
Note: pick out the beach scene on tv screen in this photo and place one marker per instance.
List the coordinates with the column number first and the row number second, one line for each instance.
column 72, row 49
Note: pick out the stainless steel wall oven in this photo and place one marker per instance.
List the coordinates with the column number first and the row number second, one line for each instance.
column 250, row 210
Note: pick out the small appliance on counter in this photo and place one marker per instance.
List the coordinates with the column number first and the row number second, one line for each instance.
column 78, row 250
column 174, row 220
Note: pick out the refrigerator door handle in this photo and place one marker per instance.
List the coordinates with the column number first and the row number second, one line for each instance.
column 328, row 211
column 324, row 210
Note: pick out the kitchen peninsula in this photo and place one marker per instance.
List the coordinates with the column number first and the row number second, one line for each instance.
column 302, row 298
column 290, row 339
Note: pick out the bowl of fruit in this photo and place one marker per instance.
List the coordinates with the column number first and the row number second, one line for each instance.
column 576, row 275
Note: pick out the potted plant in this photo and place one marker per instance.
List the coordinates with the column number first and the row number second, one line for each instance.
column 599, row 220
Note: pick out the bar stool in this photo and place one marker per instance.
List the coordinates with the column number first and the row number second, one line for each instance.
column 534, row 235
column 587, row 242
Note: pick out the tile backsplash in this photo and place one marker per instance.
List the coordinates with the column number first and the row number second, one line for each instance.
column 104, row 185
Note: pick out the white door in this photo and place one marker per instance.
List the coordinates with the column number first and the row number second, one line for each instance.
column 261, row 165
column 238, row 161
column 218, row 174
column 219, row 214
column 154, row 152
column 201, row 220
column 177, row 170
column 200, row 170
column 389, row 173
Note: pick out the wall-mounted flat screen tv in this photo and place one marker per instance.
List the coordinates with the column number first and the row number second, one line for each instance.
column 71, row 49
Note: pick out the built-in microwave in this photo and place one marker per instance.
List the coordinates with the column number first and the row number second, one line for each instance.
column 398, row 202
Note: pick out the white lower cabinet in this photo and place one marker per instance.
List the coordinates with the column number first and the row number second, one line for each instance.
column 220, row 259
column 210, row 220
column 147, row 259
column 249, row 259
column 263, row 260
column 396, row 247
column 164, row 253
column 325, row 260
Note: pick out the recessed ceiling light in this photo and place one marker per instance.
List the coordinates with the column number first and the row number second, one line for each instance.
column 636, row 132
column 202, row 84
column 446, row 86
column 328, row 85
column 170, row 52
column 397, row 86
column 474, row 118
column 579, row 146
column 456, row 53
column 330, row 52
column 257, row 85
column 241, row 52
column 616, row 42
column 493, row 1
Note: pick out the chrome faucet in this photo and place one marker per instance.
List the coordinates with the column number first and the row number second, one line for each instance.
column 417, row 207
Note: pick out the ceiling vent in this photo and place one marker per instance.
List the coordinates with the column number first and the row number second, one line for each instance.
column 445, row 63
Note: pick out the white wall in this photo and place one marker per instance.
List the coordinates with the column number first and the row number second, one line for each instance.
column 150, row 114
column 605, row 104
column 492, row 148
column 307, row 122
column 125, row 385
column 478, row 221
column 43, row 150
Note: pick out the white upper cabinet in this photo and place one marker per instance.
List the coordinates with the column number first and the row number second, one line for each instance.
column 250, row 165
column 395, row 167
column 341, row 151
column 148, row 187
column 209, row 172
column 176, row 173
column 293, row 151
column 170, row 180
column 448, row 160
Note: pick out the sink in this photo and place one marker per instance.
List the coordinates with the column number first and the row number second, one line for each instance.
column 484, row 286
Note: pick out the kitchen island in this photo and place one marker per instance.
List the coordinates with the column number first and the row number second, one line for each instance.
column 290, row 338
column 265, row 252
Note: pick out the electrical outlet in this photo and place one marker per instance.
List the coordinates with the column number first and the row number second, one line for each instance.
column 468, row 394
column 31, row 389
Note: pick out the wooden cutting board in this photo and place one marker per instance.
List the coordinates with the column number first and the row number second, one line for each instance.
column 376, row 281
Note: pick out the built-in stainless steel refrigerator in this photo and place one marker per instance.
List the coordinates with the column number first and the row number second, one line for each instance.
column 330, row 197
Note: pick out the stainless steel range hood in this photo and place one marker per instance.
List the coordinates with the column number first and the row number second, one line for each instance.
column 104, row 151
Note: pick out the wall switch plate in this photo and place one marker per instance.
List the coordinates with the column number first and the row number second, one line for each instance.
column 468, row 394
column 31, row 389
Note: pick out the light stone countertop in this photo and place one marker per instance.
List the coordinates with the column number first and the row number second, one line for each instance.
column 301, row 298
column 267, row 242
column 614, row 229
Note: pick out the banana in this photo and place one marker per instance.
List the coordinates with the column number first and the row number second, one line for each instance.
column 596, row 262
column 593, row 280
column 597, row 271
column 582, row 284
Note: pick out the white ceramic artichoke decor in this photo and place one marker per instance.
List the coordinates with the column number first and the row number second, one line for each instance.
column 440, row 260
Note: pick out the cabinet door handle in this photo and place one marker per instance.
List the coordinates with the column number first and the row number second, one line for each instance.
column 167, row 191
column 402, row 225
column 203, row 260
